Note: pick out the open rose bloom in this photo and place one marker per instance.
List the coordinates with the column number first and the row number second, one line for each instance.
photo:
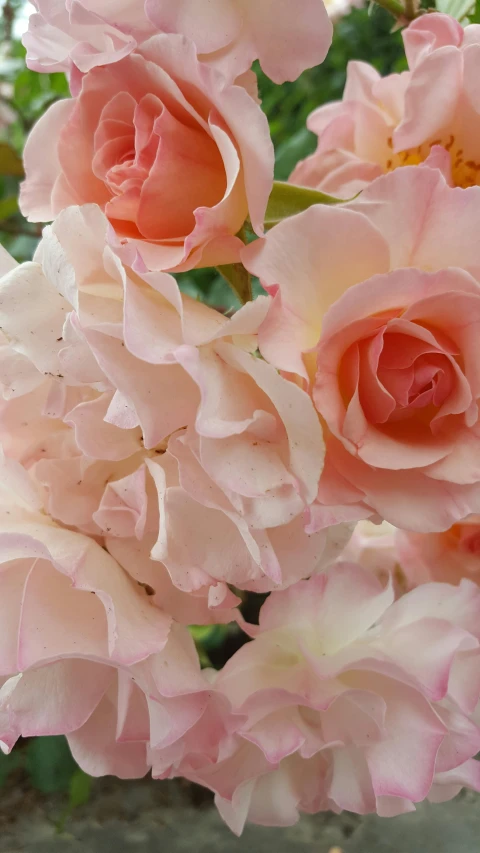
column 340, row 708
column 385, row 337
column 429, row 114
column 166, row 465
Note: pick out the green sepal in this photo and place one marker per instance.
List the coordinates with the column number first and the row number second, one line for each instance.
column 239, row 280
column 288, row 199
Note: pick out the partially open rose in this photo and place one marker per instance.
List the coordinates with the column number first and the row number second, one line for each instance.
column 175, row 157
column 398, row 384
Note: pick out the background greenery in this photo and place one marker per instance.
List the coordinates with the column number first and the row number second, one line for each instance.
column 46, row 763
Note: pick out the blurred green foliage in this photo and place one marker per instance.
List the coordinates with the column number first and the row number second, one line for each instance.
column 364, row 35
column 47, row 764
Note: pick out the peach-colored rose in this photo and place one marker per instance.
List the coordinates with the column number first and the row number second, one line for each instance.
column 377, row 306
column 175, row 157
column 446, row 557
column 430, row 114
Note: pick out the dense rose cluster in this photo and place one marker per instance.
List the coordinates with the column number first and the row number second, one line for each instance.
column 163, row 460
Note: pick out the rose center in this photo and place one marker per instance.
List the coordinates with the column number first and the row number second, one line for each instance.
column 470, row 542
column 396, row 376
column 428, row 381
column 465, row 171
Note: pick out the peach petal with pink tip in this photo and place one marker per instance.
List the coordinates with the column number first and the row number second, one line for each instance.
column 354, row 740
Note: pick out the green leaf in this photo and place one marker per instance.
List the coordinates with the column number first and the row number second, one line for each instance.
column 209, row 636
column 474, row 18
column 458, row 9
column 239, row 280
column 287, row 200
column 49, row 764
column 10, row 162
column 80, row 789
column 8, row 207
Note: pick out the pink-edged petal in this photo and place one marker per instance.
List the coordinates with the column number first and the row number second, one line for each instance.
column 47, row 701
column 136, row 629
column 415, row 730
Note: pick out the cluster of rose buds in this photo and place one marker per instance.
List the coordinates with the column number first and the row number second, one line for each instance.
column 321, row 445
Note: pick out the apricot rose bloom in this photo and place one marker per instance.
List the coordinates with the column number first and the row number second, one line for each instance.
column 287, row 38
column 447, row 556
column 430, row 113
column 385, row 336
column 351, row 701
column 176, row 157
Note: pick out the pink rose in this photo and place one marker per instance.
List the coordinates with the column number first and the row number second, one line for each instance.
column 386, row 337
column 44, row 566
column 231, row 34
column 351, row 701
column 86, row 651
column 430, row 114
column 147, row 418
column 118, row 721
column 83, row 33
column 175, row 157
